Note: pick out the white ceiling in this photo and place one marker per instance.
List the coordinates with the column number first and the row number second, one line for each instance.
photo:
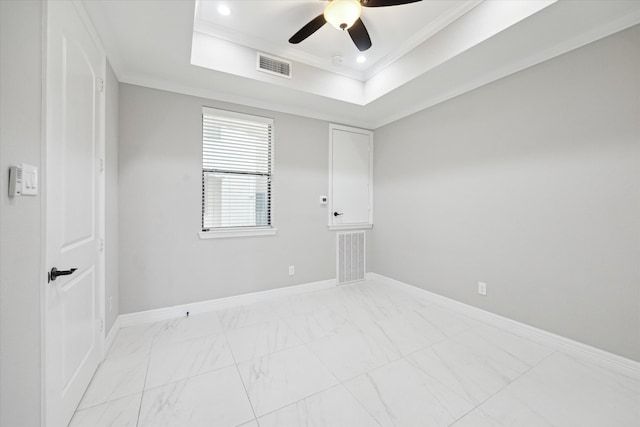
column 422, row 53
column 267, row 25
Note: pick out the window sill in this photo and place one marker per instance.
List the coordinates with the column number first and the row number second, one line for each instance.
column 237, row 232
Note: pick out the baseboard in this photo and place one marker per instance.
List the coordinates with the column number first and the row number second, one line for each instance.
column 557, row 342
column 176, row 311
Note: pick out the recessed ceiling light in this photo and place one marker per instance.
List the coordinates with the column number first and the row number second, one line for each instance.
column 361, row 59
column 224, row 10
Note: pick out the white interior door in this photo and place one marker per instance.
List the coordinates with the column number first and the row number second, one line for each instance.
column 74, row 111
column 351, row 177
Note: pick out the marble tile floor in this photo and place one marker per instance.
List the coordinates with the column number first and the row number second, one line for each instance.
column 366, row 354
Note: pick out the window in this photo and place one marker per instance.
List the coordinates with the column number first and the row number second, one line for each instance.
column 237, row 167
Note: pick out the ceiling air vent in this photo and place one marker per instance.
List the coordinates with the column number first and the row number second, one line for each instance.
column 275, row 66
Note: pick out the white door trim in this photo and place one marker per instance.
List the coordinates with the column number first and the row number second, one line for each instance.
column 43, row 221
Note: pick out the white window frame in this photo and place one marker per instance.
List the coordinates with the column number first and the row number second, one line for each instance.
column 249, row 231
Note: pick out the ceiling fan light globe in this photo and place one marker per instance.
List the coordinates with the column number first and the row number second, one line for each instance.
column 342, row 14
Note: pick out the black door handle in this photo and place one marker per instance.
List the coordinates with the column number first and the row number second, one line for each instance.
column 337, row 213
column 55, row 273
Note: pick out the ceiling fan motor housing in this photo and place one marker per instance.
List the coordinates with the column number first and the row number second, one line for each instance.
column 345, row 15
column 342, row 14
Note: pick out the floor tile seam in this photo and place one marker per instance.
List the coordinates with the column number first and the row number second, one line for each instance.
column 106, row 401
column 519, row 360
column 437, row 381
column 85, row 392
column 264, row 355
column 360, row 403
column 109, row 399
column 444, row 338
column 503, row 388
column 446, row 334
column 475, row 354
column 535, row 365
column 370, row 370
column 208, row 371
column 319, row 359
column 302, row 340
column 297, row 401
column 425, row 347
column 455, row 392
column 516, row 335
column 332, row 333
column 338, row 382
column 162, row 324
column 144, row 383
column 465, row 398
column 335, row 377
column 244, row 387
column 359, row 332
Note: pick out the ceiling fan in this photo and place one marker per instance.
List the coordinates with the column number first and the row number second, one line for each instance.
column 345, row 15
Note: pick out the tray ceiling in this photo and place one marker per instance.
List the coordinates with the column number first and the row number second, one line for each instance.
column 422, row 54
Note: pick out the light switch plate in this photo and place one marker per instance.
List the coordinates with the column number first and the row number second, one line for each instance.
column 29, row 180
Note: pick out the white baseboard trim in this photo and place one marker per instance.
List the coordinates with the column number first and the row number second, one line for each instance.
column 557, row 342
column 150, row 316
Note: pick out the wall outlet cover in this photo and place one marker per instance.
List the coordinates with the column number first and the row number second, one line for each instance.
column 482, row 288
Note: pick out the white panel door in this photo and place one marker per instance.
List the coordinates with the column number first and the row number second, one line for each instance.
column 351, row 177
column 74, row 112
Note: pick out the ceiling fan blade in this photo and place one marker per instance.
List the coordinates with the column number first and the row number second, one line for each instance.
column 381, row 3
column 360, row 35
column 314, row 25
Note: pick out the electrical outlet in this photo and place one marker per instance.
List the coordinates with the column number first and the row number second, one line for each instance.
column 482, row 288
column 110, row 304
column 292, row 270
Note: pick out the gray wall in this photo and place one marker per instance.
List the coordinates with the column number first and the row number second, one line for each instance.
column 531, row 184
column 111, row 199
column 162, row 260
column 20, row 228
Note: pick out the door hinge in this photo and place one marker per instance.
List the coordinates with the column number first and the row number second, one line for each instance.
column 101, row 245
column 100, row 84
column 101, row 325
column 101, row 165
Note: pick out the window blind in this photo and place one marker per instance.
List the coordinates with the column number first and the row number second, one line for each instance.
column 237, row 158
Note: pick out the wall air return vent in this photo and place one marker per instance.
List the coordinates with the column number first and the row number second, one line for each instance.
column 271, row 65
column 351, row 257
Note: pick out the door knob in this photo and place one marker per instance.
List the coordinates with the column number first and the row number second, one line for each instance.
column 54, row 273
column 338, row 213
